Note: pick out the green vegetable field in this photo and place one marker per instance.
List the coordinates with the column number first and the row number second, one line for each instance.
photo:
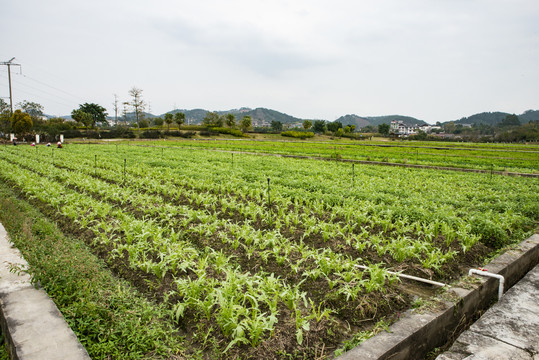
column 499, row 157
column 271, row 257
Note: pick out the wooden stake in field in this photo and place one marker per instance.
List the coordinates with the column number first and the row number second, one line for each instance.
column 353, row 175
column 269, row 201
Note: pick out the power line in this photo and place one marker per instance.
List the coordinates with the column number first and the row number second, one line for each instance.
column 43, row 97
column 58, row 93
column 55, row 98
column 50, row 86
column 67, row 101
column 43, row 70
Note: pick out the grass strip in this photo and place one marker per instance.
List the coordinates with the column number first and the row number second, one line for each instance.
column 110, row 319
column 4, row 354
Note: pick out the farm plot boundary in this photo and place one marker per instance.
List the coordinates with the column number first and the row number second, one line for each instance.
column 510, row 159
column 382, row 163
column 74, row 182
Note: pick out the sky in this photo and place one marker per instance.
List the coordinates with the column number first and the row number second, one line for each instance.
column 435, row 60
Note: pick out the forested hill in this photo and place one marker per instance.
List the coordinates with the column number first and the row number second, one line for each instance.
column 270, row 115
column 353, row 119
column 408, row 120
column 529, row 115
column 361, row 121
column 197, row 115
column 487, row 118
column 494, row 118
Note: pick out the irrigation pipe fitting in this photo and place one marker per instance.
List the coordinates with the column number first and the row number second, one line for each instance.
column 410, row 277
column 482, row 272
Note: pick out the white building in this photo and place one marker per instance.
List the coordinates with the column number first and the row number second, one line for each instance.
column 428, row 128
column 401, row 129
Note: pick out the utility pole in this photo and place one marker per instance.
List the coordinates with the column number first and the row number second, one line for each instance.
column 115, row 104
column 8, row 64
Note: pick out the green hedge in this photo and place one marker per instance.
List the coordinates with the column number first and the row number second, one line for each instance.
column 233, row 132
column 298, row 134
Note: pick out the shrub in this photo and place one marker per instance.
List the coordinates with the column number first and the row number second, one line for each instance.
column 357, row 136
column 193, row 127
column 70, row 134
column 208, row 133
column 183, row 134
column 151, row 134
column 118, row 132
column 298, row 134
column 233, row 132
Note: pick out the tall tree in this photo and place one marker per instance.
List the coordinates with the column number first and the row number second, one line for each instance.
column 319, row 126
column 137, row 104
column 245, row 123
column 82, row 117
column 307, row 124
column 276, row 125
column 33, row 109
column 168, row 120
column 179, row 118
column 450, row 127
column 97, row 112
column 21, row 122
column 230, row 120
column 158, row 121
column 510, row 120
column 4, row 106
column 212, row 119
column 124, row 110
column 383, row 129
column 115, row 107
column 334, row 126
column 5, row 116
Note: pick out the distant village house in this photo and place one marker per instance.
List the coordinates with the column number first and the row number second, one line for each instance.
column 401, row 129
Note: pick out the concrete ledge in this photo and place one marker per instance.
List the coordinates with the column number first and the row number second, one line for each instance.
column 508, row 330
column 30, row 321
column 415, row 335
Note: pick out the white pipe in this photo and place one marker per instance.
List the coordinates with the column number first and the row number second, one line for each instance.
column 427, row 281
column 489, row 274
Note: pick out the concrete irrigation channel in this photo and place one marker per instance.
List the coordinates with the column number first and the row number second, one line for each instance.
column 418, row 333
column 34, row 328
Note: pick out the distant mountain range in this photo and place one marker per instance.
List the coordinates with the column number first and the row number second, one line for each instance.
column 195, row 116
column 259, row 114
column 493, row 118
column 268, row 115
column 362, row 121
